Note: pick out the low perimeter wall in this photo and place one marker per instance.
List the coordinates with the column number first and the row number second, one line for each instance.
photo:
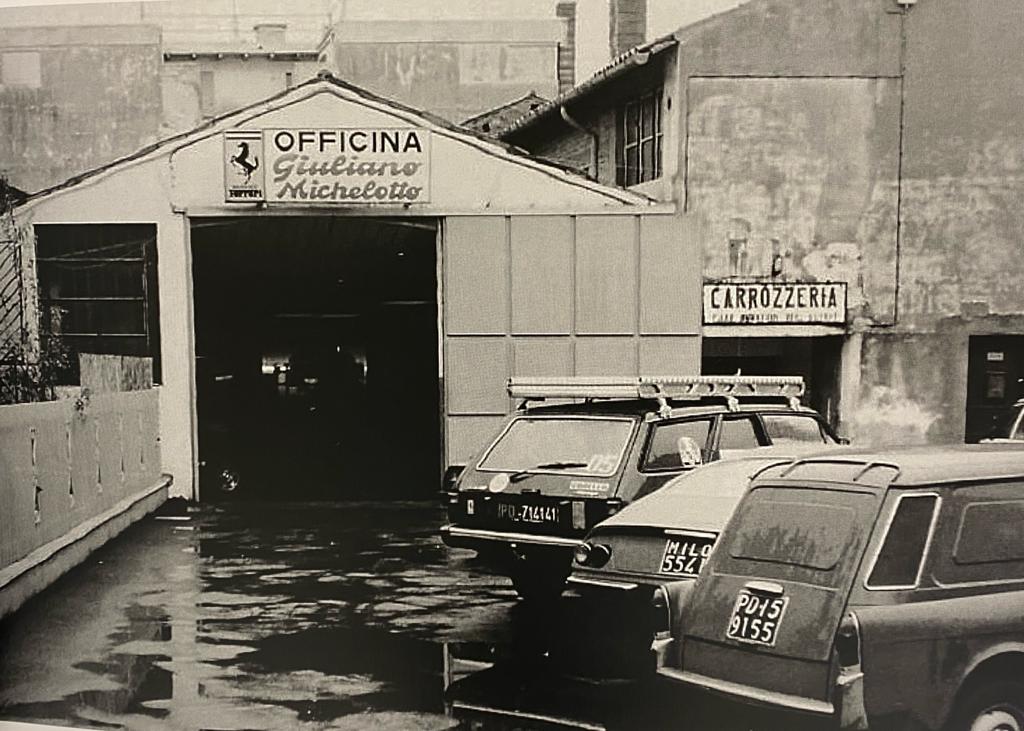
column 73, row 473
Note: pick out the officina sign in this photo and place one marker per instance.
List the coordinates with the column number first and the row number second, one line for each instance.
column 779, row 303
column 351, row 166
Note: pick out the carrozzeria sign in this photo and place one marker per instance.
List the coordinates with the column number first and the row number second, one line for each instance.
column 344, row 166
column 787, row 303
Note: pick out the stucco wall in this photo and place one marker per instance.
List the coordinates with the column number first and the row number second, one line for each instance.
column 797, row 179
column 236, row 83
column 963, row 163
column 97, row 97
column 455, row 69
column 61, row 465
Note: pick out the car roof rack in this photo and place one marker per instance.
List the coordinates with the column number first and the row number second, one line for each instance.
column 661, row 388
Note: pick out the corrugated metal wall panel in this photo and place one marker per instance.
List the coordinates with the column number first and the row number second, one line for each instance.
column 542, row 356
column 542, row 291
column 670, row 275
column 561, row 295
column 476, row 372
column 476, row 256
column 606, row 275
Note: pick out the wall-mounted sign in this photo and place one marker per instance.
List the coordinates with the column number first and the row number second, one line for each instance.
column 243, row 166
column 344, row 166
column 768, row 303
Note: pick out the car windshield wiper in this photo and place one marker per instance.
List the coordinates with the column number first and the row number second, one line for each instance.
column 516, row 476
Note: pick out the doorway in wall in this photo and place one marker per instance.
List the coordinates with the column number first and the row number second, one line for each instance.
column 316, row 357
column 995, row 381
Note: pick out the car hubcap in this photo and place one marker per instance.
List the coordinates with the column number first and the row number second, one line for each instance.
column 997, row 719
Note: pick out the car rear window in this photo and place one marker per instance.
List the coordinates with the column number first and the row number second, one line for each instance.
column 793, row 429
column 574, row 446
column 898, row 564
column 801, row 530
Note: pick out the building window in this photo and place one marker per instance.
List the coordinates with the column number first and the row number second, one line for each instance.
column 98, row 289
column 639, row 154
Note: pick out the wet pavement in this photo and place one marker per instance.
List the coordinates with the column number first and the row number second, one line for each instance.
column 330, row 615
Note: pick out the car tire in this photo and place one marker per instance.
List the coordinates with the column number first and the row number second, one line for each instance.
column 992, row 705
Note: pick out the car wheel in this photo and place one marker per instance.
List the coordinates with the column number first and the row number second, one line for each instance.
column 994, row 706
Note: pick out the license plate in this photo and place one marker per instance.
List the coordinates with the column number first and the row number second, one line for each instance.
column 756, row 618
column 536, row 514
column 685, row 555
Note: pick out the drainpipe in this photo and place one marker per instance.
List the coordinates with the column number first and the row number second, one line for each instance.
column 590, row 133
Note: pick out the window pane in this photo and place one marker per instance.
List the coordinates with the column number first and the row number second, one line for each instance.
column 670, row 444
column 647, row 118
column 647, row 160
column 570, row 446
column 991, row 532
column 737, row 434
column 812, row 535
column 632, row 123
column 632, row 155
column 899, row 561
column 792, row 428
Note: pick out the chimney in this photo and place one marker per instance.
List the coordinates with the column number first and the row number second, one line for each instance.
column 566, row 12
column 627, row 25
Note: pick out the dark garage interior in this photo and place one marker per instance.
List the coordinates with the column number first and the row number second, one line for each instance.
column 317, row 352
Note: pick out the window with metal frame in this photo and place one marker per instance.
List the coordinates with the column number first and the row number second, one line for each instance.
column 639, row 140
column 990, row 532
column 98, row 288
column 666, row 449
column 900, row 558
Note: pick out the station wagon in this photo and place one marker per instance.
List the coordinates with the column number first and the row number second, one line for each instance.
column 876, row 588
column 555, row 470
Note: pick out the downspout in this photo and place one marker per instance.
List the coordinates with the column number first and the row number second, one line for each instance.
column 592, row 174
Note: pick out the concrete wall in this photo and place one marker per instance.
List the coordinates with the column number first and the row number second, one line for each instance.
column 234, row 83
column 799, row 175
column 455, row 69
column 63, row 463
column 74, row 98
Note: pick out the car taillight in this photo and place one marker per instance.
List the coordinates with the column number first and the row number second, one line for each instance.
column 661, row 612
column 848, row 641
column 594, row 555
column 579, row 515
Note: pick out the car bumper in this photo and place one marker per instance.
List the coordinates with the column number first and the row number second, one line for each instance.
column 848, row 693
column 459, row 537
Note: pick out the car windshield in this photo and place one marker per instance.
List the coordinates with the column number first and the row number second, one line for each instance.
column 552, row 444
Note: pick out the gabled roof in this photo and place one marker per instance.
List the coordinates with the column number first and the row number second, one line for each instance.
column 327, row 82
column 636, row 56
column 621, row 64
column 493, row 121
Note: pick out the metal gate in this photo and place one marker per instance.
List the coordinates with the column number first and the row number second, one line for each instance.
column 15, row 381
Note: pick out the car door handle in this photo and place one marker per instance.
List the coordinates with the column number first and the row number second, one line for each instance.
column 765, row 587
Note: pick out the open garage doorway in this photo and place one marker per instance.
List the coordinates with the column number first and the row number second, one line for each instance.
column 316, row 357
